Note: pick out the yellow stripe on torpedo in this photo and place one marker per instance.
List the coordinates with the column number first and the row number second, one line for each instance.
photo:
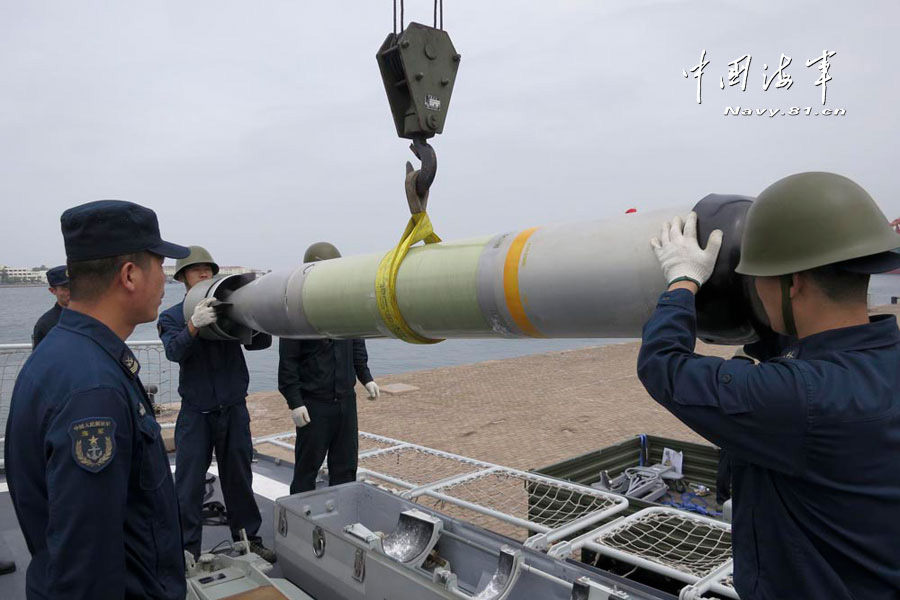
column 511, row 284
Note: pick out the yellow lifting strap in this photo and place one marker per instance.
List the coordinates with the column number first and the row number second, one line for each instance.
column 419, row 229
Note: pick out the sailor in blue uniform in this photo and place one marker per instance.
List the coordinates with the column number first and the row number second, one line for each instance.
column 59, row 287
column 813, row 430
column 86, row 466
column 212, row 383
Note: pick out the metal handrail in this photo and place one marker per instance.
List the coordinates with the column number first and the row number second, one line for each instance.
column 154, row 347
column 130, row 344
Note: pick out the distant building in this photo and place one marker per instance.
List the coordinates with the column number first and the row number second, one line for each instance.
column 234, row 270
column 23, row 274
column 223, row 270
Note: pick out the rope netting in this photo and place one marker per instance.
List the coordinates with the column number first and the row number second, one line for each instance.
column 416, row 466
column 510, row 530
column 544, row 503
column 368, row 442
column 676, row 540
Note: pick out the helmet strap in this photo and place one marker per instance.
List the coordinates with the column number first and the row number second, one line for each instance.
column 787, row 311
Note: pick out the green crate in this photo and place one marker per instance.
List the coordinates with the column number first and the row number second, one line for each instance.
column 700, row 465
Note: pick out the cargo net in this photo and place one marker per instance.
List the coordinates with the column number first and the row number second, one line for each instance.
column 369, row 442
column 676, row 540
column 414, row 466
column 544, row 503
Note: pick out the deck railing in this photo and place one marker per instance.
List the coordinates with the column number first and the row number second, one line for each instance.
column 158, row 374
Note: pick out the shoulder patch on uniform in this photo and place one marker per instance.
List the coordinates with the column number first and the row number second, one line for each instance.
column 130, row 362
column 93, row 442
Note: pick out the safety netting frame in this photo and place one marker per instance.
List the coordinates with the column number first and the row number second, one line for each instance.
column 433, row 466
column 537, row 487
column 719, row 582
column 666, row 541
column 459, row 472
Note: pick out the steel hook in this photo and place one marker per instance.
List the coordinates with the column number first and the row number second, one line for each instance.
column 425, row 153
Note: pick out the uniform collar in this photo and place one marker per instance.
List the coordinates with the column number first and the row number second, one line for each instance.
column 103, row 336
column 880, row 331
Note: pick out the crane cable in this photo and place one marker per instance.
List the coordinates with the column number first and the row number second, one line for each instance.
column 437, row 11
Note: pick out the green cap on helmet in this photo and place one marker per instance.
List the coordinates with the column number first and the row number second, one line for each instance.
column 810, row 220
column 320, row 251
column 199, row 255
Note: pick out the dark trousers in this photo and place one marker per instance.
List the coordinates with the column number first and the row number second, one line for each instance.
column 333, row 429
column 227, row 431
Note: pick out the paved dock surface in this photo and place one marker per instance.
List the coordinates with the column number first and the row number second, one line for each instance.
column 522, row 412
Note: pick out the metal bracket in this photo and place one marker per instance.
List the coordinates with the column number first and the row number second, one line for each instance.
column 318, row 542
column 361, row 532
column 359, row 565
column 282, row 522
column 587, row 589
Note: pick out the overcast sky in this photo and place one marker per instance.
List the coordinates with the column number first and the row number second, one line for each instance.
column 257, row 128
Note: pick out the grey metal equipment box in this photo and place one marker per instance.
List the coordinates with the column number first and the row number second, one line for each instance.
column 356, row 541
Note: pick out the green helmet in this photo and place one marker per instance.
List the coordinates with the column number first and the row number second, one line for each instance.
column 810, row 220
column 199, row 255
column 320, row 251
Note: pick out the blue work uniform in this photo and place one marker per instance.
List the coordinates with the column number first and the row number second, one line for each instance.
column 43, row 326
column 88, row 472
column 321, row 375
column 814, row 441
column 212, row 383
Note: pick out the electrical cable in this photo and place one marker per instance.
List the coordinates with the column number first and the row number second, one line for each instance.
column 215, row 549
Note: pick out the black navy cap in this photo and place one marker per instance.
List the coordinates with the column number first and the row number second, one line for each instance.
column 58, row 276
column 108, row 228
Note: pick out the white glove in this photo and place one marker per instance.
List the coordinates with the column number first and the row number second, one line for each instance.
column 204, row 314
column 679, row 252
column 373, row 389
column 300, row 416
